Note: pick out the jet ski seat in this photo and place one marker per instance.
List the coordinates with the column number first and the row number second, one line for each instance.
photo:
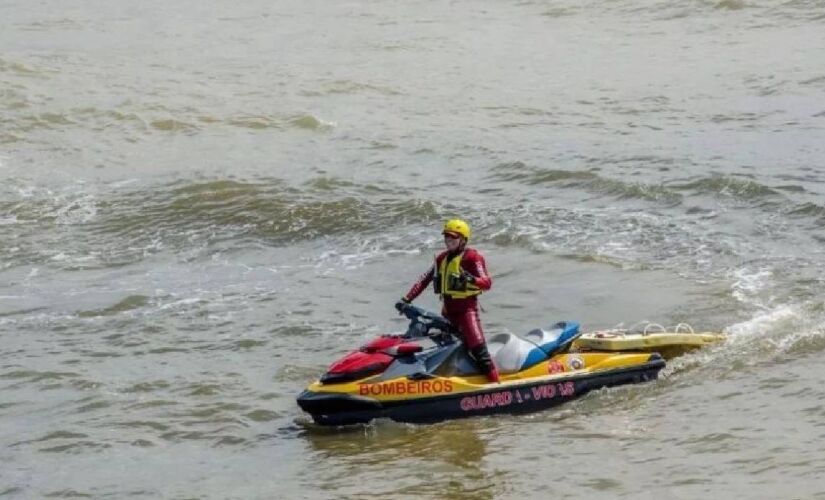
column 511, row 353
column 558, row 337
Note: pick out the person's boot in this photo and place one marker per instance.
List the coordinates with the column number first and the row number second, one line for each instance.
column 492, row 375
column 484, row 362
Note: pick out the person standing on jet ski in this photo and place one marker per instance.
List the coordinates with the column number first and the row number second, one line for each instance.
column 459, row 275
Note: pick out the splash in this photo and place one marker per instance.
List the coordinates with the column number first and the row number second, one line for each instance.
column 750, row 283
column 777, row 335
column 781, row 318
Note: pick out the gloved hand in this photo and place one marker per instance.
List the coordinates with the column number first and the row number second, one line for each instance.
column 402, row 304
column 459, row 281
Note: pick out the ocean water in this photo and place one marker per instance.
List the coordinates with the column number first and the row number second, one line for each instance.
column 203, row 205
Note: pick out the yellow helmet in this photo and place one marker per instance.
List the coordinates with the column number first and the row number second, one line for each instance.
column 457, row 226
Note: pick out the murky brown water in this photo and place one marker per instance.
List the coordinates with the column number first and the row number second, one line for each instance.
column 203, row 205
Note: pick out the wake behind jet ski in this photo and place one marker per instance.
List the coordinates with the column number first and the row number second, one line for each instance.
column 426, row 375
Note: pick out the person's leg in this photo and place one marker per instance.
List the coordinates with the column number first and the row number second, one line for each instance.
column 469, row 325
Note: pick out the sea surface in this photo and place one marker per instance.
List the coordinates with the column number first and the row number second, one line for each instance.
column 203, row 204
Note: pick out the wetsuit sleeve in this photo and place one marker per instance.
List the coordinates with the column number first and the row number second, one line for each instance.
column 476, row 266
column 420, row 285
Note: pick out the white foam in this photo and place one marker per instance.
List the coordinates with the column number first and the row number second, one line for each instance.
column 182, row 303
column 788, row 342
column 779, row 318
column 749, row 283
column 60, row 257
column 81, row 210
column 124, row 182
column 29, row 191
column 366, row 252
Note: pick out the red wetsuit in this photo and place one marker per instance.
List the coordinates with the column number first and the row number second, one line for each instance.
column 462, row 313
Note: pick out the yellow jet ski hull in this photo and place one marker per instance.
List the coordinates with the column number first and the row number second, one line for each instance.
column 430, row 399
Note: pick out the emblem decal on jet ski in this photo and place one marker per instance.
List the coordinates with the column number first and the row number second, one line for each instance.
column 555, row 367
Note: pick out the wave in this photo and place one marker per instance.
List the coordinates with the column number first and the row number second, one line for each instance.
column 116, row 228
column 350, row 87
column 818, row 82
column 559, row 12
column 809, row 209
column 129, row 303
column 23, row 69
column 85, row 229
column 756, row 15
column 53, row 25
column 173, row 125
column 730, row 5
column 744, row 189
column 799, row 10
column 585, row 180
column 255, row 122
column 518, row 171
column 776, row 200
column 47, row 121
column 310, row 122
column 136, row 120
column 270, row 208
column 636, row 190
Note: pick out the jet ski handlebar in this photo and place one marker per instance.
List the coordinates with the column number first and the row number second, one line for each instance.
column 423, row 321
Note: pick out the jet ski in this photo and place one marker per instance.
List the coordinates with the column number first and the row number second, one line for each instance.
column 426, row 375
